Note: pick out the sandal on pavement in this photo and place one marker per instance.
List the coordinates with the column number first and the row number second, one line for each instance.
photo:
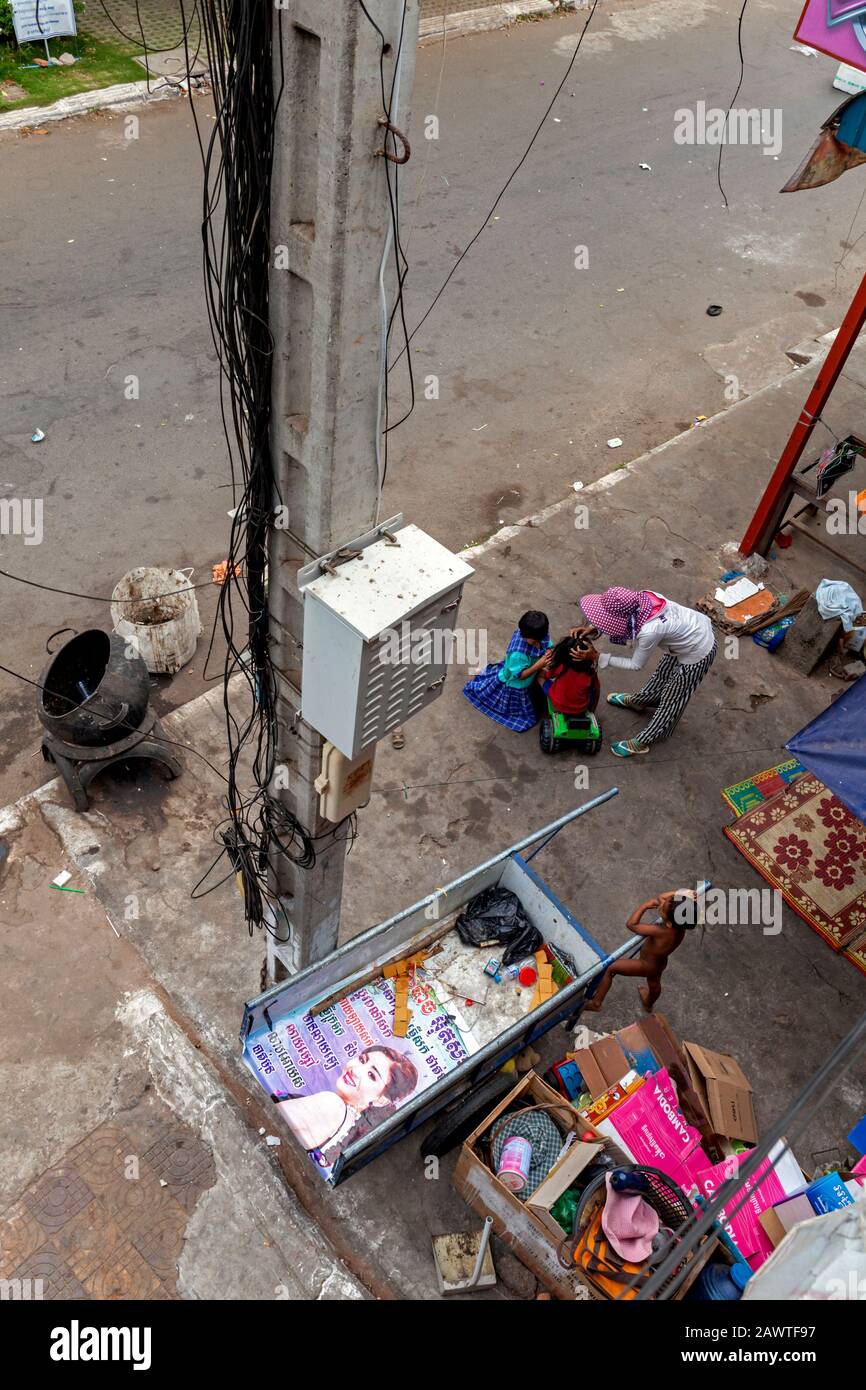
column 398, row 738
column 623, row 701
column 628, row 748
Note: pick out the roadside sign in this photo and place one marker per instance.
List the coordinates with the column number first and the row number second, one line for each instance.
column 36, row 20
column 835, row 27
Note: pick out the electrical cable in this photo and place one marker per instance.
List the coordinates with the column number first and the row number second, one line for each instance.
column 243, row 45
column 390, row 106
column 733, row 98
column 503, row 189
column 244, row 52
column 99, row 598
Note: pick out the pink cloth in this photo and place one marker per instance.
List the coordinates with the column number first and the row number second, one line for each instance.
column 629, row 1224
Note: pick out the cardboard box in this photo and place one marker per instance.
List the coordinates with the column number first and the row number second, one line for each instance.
column 601, row 1107
column 778, row 1220
column 651, row 1128
column 646, row 1046
column 665, row 1045
column 601, row 1065
column 724, row 1091
column 561, row 1176
column 637, row 1048
column 525, row 1233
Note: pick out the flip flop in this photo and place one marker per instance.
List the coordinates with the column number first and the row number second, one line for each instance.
column 623, row 701
column 627, row 748
column 398, row 738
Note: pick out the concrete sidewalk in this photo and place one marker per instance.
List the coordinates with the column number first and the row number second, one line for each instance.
column 128, row 1170
column 97, row 1018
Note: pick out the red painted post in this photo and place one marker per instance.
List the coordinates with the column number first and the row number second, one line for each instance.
column 773, row 505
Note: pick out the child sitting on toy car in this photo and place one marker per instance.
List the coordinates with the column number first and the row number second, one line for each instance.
column 569, row 678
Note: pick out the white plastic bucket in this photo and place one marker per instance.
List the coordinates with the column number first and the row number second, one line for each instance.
column 156, row 611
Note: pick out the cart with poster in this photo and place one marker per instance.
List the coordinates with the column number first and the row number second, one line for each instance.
column 327, row 1046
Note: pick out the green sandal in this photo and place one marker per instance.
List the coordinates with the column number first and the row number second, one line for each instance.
column 623, row 702
column 628, row 748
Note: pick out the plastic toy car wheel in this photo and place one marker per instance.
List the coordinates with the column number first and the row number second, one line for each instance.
column 593, row 745
column 545, row 736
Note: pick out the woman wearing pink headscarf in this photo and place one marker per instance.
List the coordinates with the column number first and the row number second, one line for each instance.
column 651, row 622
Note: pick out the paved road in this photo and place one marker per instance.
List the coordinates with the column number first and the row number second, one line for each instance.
column 538, row 363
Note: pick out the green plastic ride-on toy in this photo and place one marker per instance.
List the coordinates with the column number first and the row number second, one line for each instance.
column 558, row 731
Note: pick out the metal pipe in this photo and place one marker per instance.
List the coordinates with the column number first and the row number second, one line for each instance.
column 778, row 492
column 482, row 1251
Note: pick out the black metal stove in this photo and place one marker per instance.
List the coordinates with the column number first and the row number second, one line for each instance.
column 94, row 707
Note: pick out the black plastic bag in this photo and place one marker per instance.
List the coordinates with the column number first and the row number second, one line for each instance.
column 497, row 915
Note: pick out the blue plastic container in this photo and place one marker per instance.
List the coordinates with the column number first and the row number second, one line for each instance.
column 718, row 1283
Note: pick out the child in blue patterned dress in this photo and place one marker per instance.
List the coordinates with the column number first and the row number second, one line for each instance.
column 507, row 690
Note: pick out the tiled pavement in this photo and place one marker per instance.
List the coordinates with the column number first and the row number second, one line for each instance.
column 161, row 21
column 109, row 1221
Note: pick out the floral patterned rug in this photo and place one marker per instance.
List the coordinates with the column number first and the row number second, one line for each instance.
column 804, row 842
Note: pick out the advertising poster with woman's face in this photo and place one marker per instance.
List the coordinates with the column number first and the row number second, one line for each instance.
column 336, row 1075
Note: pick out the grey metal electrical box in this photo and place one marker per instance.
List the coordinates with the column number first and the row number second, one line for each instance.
column 376, row 632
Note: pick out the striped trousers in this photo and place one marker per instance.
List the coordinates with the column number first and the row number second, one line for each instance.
column 668, row 691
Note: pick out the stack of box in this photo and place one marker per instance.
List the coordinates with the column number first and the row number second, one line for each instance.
column 645, row 1047
column 689, row 1112
column 527, row 1227
column 642, row 1115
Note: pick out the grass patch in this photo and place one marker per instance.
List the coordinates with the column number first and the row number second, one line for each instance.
column 100, row 64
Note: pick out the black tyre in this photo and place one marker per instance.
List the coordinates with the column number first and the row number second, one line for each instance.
column 593, row 745
column 545, row 736
column 458, row 1123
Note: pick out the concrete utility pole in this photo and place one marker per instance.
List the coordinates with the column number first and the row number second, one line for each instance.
column 330, row 221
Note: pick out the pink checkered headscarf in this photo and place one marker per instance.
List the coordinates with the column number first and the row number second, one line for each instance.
column 618, row 613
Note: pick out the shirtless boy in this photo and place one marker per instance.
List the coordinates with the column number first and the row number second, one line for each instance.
column 679, row 914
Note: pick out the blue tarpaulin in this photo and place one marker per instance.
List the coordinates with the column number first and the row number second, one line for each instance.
column 833, row 747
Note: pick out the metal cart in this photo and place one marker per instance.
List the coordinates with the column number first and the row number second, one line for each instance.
column 420, row 925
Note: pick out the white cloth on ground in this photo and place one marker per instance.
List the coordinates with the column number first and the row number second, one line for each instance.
column 836, row 599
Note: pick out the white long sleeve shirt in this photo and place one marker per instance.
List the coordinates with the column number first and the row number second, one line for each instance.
column 677, row 631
